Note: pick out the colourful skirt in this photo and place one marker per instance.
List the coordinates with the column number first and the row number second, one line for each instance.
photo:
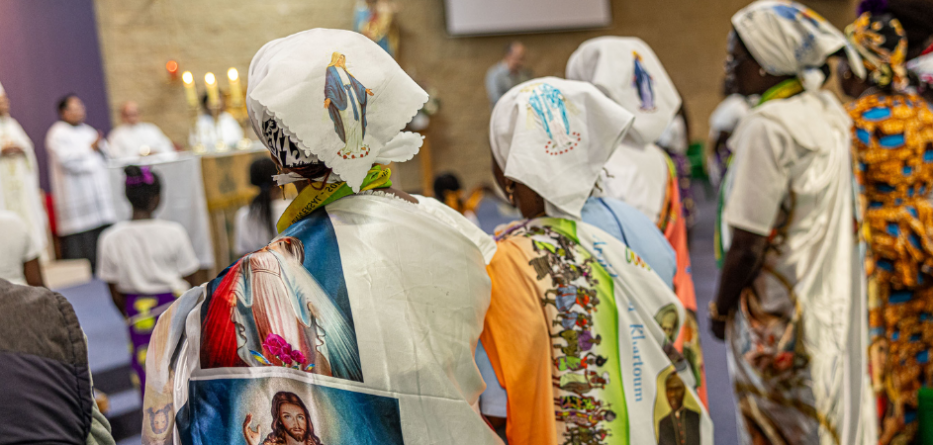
column 141, row 330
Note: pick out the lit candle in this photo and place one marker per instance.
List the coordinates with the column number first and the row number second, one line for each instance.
column 191, row 92
column 213, row 94
column 236, row 93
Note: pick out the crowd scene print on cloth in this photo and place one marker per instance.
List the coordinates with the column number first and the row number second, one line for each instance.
column 571, row 303
column 278, row 411
column 345, row 99
column 243, row 312
column 550, row 110
column 644, row 84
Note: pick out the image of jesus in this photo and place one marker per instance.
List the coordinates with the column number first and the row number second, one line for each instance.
column 291, row 423
column 345, row 99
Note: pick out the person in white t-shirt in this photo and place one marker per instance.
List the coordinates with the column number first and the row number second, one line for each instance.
column 146, row 262
column 134, row 139
column 19, row 262
column 255, row 223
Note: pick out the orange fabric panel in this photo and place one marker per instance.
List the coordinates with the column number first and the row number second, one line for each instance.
column 676, row 234
column 517, row 341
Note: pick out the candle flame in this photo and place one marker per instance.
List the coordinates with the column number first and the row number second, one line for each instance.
column 187, row 77
column 209, row 78
column 233, row 75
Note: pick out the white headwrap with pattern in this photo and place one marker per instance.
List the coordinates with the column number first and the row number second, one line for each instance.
column 787, row 38
column 336, row 97
column 629, row 72
column 554, row 136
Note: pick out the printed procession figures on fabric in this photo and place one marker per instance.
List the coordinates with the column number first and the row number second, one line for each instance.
column 580, row 330
column 600, row 395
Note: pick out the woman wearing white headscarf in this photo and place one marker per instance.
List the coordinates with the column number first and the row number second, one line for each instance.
column 639, row 173
column 366, row 308
column 579, row 329
column 791, row 298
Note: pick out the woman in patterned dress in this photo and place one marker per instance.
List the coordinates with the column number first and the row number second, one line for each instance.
column 891, row 140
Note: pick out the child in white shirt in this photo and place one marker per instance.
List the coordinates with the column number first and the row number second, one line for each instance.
column 146, row 262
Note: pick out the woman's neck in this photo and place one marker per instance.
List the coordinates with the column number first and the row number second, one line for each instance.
column 141, row 214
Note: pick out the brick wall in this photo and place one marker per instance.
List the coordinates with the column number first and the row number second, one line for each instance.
column 139, row 36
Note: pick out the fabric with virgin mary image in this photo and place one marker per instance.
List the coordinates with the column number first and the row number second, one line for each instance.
column 574, row 306
column 348, row 297
column 347, row 99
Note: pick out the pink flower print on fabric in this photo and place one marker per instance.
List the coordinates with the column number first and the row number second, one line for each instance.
column 283, row 352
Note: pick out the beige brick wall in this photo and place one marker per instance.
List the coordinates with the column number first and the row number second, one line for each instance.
column 139, row 36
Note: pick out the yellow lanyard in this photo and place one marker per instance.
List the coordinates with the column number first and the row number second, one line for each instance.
column 313, row 198
column 782, row 90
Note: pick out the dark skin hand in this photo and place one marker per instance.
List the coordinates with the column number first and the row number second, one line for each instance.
column 741, row 266
column 744, row 259
column 119, row 300
column 33, row 273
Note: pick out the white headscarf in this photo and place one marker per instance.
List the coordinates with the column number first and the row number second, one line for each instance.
column 647, row 92
column 555, row 136
column 787, row 38
column 286, row 97
column 2, row 91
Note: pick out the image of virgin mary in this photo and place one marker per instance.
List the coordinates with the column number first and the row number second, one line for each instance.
column 345, row 99
column 549, row 109
column 644, row 84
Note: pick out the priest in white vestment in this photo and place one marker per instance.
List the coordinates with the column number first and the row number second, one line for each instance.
column 216, row 128
column 19, row 176
column 80, row 181
column 134, row 139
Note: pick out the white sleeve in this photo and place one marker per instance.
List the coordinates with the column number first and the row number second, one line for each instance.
column 186, row 260
column 71, row 156
column 108, row 263
column 32, row 249
column 760, row 170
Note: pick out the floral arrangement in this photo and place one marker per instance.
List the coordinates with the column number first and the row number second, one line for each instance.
column 281, row 353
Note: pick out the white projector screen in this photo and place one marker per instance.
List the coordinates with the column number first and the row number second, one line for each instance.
column 472, row 17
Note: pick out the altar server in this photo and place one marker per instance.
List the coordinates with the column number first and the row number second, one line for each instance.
column 80, row 181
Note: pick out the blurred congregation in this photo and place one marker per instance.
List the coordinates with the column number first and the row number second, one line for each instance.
column 466, row 222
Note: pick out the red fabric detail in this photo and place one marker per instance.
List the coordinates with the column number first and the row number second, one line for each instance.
column 218, row 332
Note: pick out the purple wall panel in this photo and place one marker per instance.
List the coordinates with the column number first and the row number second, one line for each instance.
column 49, row 48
